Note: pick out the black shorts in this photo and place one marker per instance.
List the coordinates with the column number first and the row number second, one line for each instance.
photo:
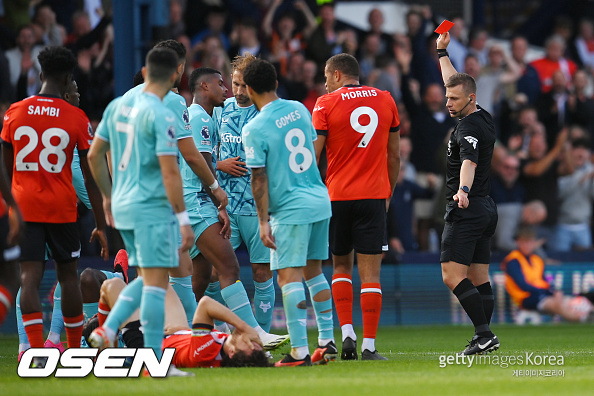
column 466, row 237
column 359, row 225
column 62, row 239
column 7, row 253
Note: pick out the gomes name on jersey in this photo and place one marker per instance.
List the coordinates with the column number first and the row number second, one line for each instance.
column 284, row 120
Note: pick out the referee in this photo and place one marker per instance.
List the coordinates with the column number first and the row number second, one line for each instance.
column 471, row 215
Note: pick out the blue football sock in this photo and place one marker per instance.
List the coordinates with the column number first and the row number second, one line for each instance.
column 264, row 299
column 152, row 317
column 323, row 309
column 183, row 289
column 23, row 339
column 214, row 291
column 124, row 307
column 90, row 309
column 296, row 313
column 237, row 300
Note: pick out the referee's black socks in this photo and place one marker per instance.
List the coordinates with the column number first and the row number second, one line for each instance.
column 486, row 293
column 472, row 302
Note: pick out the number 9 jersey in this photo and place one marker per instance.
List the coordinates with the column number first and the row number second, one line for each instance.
column 43, row 132
column 356, row 121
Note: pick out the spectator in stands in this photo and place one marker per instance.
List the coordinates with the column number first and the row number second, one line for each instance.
column 318, row 89
column 552, row 106
column 554, row 60
column 424, row 66
column 386, row 76
column 457, row 48
column 472, row 66
column 376, row 21
column 508, row 194
column 325, row 40
column 286, row 39
column 23, row 65
column 525, row 283
column 529, row 82
column 584, row 43
column 539, row 174
column 216, row 18
column 576, row 195
column 293, row 86
column 580, row 104
column 48, row 32
column 477, row 44
column 244, row 39
column 177, row 26
column 370, row 50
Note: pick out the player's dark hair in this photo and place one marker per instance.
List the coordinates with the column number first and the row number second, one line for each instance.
column 88, row 327
column 241, row 359
column 56, row 62
column 174, row 45
column 161, row 64
column 582, row 142
column 345, row 63
column 197, row 74
column 467, row 82
column 525, row 231
column 138, row 78
column 260, row 75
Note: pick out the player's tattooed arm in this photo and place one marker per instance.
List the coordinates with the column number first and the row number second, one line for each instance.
column 260, row 193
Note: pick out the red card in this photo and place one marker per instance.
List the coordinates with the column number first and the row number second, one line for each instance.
column 444, row 27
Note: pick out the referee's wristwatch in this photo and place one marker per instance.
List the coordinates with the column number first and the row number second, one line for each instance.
column 465, row 189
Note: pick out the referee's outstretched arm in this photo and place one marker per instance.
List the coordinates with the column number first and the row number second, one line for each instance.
column 447, row 69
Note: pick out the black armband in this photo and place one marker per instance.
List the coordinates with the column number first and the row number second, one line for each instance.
column 442, row 52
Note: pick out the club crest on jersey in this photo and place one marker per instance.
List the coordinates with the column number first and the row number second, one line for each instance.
column 472, row 140
column 171, row 132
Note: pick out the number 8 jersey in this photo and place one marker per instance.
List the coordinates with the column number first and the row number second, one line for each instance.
column 280, row 138
column 44, row 131
column 356, row 121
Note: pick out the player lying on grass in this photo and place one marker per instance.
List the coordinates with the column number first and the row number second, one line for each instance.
column 525, row 283
column 90, row 286
column 199, row 346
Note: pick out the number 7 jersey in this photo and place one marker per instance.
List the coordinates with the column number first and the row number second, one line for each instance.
column 356, row 121
column 43, row 132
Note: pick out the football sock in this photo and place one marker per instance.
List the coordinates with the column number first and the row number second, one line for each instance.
column 264, row 299
column 296, row 313
column 74, row 329
column 33, row 323
column 132, row 335
column 183, row 289
column 214, row 291
column 237, row 300
column 371, row 306
column 348, row 331
column 90, row 309
column 23, row 340
column 124, row 307
column 5, row 303
column 322, row 309
column 152, row 317
column 342, row 292
column 57, row 323
column 103, row 310
column 486, row 293
column 300, row 353
column 369, row 344
column 471, row 301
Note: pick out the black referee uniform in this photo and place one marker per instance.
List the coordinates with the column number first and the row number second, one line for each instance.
column 467, row 233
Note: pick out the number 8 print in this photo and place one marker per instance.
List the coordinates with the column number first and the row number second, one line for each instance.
column 368, row 129
column 298, row 149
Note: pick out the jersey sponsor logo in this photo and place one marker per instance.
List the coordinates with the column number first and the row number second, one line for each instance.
column 229, row 138
column 205, row 133
column 363, row 93
column 472, row 140
column 317, row 108
column 203, row 347
column 80, row 362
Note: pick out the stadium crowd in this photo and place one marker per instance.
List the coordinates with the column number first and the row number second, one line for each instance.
column 543, row 173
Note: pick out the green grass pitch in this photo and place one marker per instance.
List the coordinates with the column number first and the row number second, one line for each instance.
column 413, row 369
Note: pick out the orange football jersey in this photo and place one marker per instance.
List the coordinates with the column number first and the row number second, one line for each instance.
column 44, row 131
column 357, row 121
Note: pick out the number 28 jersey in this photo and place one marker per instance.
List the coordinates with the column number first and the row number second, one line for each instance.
column 43, row 132
column 357, row 121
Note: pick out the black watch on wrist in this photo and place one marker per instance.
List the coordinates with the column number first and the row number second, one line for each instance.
column 465, row 189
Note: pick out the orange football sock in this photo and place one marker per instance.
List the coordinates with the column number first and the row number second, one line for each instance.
column 74, row 329
column 33, row 323
column 342, row 292
column 371, row 305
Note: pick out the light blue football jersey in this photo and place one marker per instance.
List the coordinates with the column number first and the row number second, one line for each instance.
column 238, row 189
column 204, row 134
column 280, row 138
column 78, row 181
column 139, row 129
column 177, row 104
